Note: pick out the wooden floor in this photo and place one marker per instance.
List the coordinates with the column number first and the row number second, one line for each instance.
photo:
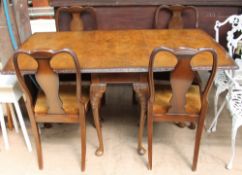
column 173, row 146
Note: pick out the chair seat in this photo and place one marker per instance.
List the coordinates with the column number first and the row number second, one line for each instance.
column 10, row 92
column 9, row 89
column 8, row 81
column 67, row 95
column 163, row 94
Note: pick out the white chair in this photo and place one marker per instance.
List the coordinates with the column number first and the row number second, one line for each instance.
column 221, row 81
column 11, row 93
column 42, row 25
column 234, row 105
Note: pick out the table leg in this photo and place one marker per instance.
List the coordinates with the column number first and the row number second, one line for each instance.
column 141, row 90
column 9, row 116
column 96, row 93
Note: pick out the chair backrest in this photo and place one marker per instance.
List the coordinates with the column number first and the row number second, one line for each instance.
column 79, row 18
column 176, row 17
column 234, row 33
column 182, row 75
column 46, row 77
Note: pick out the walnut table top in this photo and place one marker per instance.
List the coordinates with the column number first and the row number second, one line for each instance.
column 121, row 50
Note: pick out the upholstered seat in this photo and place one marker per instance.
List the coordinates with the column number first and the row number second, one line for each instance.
column 67, row 95
column 163, row 94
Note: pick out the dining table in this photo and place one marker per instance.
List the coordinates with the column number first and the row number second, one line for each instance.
column 120, row 57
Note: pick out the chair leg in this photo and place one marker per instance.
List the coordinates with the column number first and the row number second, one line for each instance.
column 199, row 132
column 4, row 130
column 35, row 130
column 213, row 125
column 235, row 126
column 15, row 124
column 38, row 146
column 192, row 125
column 83, row 141
column 150, row 135
column 22, row 125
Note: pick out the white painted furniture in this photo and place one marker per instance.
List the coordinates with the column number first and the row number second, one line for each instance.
column 234, row 105
column 42, row 25
column 222, row 83
column 230, row 80
column 11, row 93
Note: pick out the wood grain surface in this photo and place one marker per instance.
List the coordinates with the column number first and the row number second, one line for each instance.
column 122, row 50
column 145, row 2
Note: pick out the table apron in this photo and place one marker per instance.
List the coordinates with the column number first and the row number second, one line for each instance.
column 119, row 78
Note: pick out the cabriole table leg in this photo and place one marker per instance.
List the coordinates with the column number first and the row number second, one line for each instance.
column 141, row 90
column 96, row 93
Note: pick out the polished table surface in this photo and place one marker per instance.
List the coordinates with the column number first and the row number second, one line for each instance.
column 121, row 50
column 121, row 57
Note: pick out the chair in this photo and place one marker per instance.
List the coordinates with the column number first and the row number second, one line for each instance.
column 180, row 100
column 222, row 83
column 10, row 93
column 80, row 18
column 176, row 17
column 56, row 102
column 234, row 103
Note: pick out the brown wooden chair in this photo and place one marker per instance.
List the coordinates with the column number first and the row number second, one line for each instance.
column 56, row 102
column 78, row 18
column 172, row 17
column 176, row 17
column 75, row 18
column 180, row 100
